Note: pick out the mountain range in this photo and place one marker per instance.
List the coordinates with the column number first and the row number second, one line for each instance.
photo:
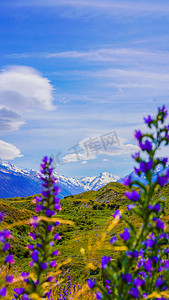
column 15, row 182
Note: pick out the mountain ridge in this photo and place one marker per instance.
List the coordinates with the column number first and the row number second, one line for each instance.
column 16, row 182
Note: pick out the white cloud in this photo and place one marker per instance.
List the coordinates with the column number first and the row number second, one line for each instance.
column 108, row 144
column 22, row 91
column 23, row 88
column 9, row 151
column 84, row 162
column 104, row 159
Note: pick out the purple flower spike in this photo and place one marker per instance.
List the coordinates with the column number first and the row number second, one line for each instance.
column 3, row 291
column 125, row 235
column 90, row 283
column 134, row 196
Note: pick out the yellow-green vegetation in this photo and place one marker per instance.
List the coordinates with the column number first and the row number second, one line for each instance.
column 92, row 214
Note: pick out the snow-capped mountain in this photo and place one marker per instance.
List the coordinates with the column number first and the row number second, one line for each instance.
column 15, row 182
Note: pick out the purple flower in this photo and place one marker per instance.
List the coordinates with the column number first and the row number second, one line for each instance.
column 162, row 180
column 105, row 261
column 57, row 207
column 39, row 207
column 160, row 224
column 165, row 160
column 166, row 265
column 44, row 266
column 99, row 295
column 56, row 236
column 45, row 193
column 53, row 263
column 57, row 223
column 117, row 214
column 6, row 247
column 3, row 291
column 133, row 195
column 149, row 243
column 50, row 227
column 91, row 283
column 136, row 156
column 9, row 278
column 148, row 120
column 127, row 277
column 129, row 207
column 2, row 215
column 157, row 207
column 49, row 212
column 134, row 292
column 147, row 146
column 9, row 259
column 6, row 233
column 138, row 281
column 125, row 235
column 24, row 275
column 113, row 240
column 50, row 278
column 34, row 255
column 127, row 181
column 148, row 265
column 32, row 235
column 138, row 134
column 163, row 110
column 30, row 247
column 144, row 167
column 19, row 291
column 155, row 259
column 159, row 281
column 54, row 253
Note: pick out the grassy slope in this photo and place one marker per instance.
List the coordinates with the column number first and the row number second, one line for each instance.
column 92, row 213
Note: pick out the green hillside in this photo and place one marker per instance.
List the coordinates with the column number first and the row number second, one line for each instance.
column 90, row 211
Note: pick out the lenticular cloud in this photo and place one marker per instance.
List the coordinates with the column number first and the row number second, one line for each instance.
column 9, row 151
column 23, row 88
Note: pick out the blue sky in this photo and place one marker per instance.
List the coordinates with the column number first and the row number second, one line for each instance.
column 74, row 72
